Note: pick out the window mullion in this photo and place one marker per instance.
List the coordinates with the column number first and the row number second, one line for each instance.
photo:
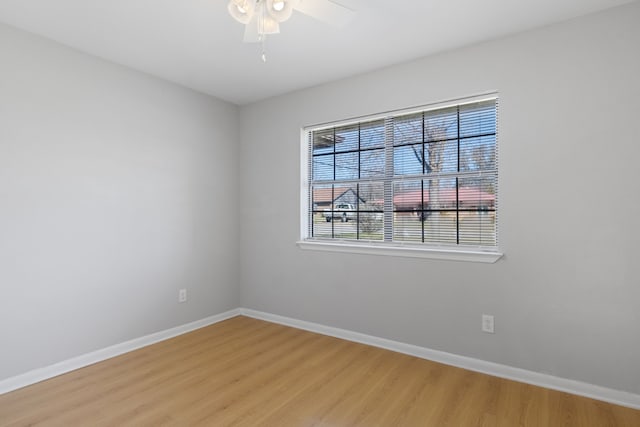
column 457, row 177
column 358, row 184
column 388, row 179
column 310, row 225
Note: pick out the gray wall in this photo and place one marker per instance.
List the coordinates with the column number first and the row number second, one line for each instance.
column 566, row 293
column 116, row 190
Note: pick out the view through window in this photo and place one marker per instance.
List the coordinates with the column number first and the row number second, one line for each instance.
column 427, row 177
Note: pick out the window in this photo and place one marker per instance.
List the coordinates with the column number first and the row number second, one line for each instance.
column 422, row 180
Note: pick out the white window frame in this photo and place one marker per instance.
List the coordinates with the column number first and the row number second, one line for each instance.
column 402, row 249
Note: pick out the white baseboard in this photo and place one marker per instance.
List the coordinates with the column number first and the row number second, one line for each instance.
column 617, row 397
column 78, row 362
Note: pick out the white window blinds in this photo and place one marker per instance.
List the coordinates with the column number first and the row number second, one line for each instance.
column 426, row 177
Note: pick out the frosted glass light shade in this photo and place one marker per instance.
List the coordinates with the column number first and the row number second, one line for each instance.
column 268, row 25
column 242, row 10
column 281, row 10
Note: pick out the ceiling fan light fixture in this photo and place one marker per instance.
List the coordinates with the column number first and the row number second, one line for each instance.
column 263, row 17
column 280, row 10
column 242, row 10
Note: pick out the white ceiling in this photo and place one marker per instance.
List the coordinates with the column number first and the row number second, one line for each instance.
column 197, row 44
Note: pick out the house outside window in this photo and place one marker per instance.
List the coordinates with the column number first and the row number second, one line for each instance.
column 420, row 181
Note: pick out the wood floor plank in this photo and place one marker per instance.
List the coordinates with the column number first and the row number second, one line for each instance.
column 245, row 372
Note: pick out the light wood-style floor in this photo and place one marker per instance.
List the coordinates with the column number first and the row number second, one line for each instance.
column 246, row 372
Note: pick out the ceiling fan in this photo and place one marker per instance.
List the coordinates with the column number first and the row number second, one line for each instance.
column 263, row 17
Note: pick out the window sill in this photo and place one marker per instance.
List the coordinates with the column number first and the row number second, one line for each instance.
column 447, row 254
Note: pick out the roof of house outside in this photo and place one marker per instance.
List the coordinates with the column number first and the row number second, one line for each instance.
column 466, row 195
column 325, row 195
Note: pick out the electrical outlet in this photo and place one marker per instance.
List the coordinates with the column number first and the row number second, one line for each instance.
column 487, row 323
column 182, row 295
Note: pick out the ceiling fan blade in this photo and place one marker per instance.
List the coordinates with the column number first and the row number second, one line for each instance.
column 326, row 11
